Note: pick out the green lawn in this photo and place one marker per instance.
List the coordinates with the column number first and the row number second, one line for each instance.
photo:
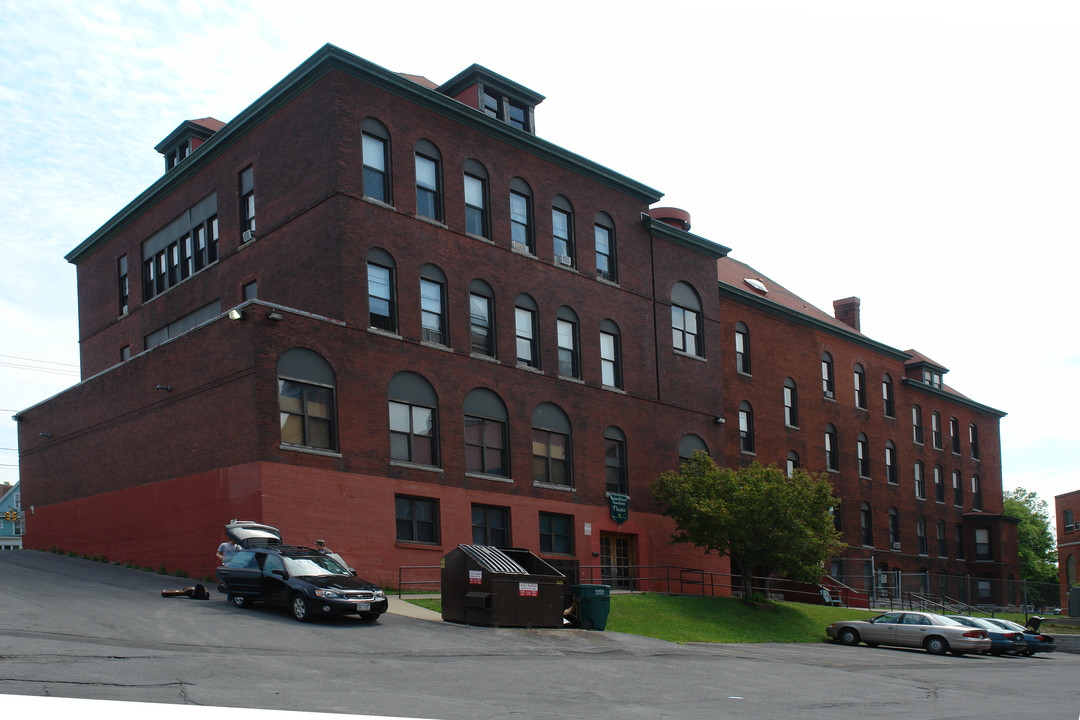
column 680, row 618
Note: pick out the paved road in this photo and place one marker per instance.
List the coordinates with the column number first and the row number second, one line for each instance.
column 79, row 629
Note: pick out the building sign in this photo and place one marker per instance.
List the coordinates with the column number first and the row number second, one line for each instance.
column 476, row 577
column 620, row 507
column 528, row 589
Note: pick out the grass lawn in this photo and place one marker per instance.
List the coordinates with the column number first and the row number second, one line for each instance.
column 681, row 618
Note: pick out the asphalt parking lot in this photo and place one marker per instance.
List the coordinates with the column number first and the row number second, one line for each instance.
column 74, row 628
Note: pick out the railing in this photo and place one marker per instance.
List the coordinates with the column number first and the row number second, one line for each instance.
column 435, row 583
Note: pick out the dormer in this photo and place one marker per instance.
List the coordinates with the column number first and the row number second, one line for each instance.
column 186, row 139
column 923, row 369
column 495, row 96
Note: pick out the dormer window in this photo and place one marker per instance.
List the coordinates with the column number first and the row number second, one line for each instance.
column 186, row 139
column 495, row 96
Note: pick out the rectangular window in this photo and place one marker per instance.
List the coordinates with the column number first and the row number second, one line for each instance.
column 605, row 253
column 417, row 519
column 569, row 359
column 610, row 370
column 551, row 458
column 172, row 256
column 684, row 329
column 920, row 481
column 381, row 310
column 307, row 414
column 481, row 331
column 432, row 311
column 485, row 446
column 491, row 525
column 427, row 188
column 562, row 234
column 525, row 329
column 375, row 175
column 920, row 531
column 122, row 283
column 556, row 534
column 982, row 544
column 939, row 485
column 941, row 547
column 247, row 200
column 412, row 433
column 475, row 215
column 935, row 429
column 520, row 225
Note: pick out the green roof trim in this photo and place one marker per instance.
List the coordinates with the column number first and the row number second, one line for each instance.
column 327, row 59
column 685, row 239
column 953, row 397
column 808, row 321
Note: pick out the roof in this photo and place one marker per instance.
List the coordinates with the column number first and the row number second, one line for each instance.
column 917, row 358
column 201, row 128
column 331, row 58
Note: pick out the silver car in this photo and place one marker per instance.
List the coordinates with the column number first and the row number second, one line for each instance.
column 936, row 633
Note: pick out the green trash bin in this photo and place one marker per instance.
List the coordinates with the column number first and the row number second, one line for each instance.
column 594, row 603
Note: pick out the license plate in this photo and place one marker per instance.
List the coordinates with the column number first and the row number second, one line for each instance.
column 363, row 606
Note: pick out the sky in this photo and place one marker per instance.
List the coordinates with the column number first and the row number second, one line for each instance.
column 922, row 156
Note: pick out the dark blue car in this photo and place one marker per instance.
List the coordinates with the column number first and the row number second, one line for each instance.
column 1036, row 641
column 1002, row 641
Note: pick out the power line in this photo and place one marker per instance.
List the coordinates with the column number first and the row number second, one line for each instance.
column 48, row 362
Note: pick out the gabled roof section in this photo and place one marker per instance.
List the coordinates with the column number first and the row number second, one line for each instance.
column 918, row 360
column 201, row 129
column 327, row 59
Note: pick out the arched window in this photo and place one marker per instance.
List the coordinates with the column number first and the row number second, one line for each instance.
column 433, row 321
column 486, row 434
column 862, row 450
column 306, row 384
column 429, row 201
column 887, row 395
column 860, row 386
column 521, row 216
column 832, row 453
column 742, row 348
column 746, row 427
column 382, row 287
column 551, row 446
column 604, row 234
column 569, row 345
column 615, row 461
column 689, row 445
column 957, row 489
column 791, row 403
column 828, row 378
column 376, row 149
column 867, row 523
column 935, row 429
column 686, row 320
column 528, row 345
column 413, row 420
column 941, row 546
column 562, row 231
column 481, row 319
column 477, row 216
column 610, row 354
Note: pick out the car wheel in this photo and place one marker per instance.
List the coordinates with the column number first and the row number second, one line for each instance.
column 240, row 601
column 937, row 646
column 995, row 653
column 300, row 608
column 848, row 637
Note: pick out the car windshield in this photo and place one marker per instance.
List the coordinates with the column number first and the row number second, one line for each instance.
column 1010, row 625
column 315, row 565
column 942, row 620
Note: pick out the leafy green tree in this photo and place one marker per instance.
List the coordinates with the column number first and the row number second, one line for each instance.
column 760, row 518
column 1036, row 548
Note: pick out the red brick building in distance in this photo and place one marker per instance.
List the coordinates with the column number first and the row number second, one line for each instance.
column 1067, row 511
column 384, row 312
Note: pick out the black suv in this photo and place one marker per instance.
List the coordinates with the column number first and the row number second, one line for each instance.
column 304, row 580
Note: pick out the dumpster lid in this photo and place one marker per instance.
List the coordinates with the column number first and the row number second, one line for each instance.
column 493, row 559
column 246, row 533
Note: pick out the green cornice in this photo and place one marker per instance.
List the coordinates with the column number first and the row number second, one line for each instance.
column 687, row 240
column 952, row 397
column 808, row 321
column 325, row 60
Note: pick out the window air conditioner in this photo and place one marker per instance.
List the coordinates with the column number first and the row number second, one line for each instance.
column 519, row 246
column 896, row 546
column 249, row 235
column 829, row 394
column 564, row 260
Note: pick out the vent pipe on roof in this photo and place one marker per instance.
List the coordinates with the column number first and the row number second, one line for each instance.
column 847, row 312
column 672, row 216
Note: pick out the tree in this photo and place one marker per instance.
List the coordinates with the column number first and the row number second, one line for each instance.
column 1036, row 548
column 760, row 518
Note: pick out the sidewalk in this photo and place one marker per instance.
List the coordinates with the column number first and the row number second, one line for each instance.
column 398, row 606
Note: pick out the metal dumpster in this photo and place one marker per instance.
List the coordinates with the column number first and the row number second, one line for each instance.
column 484, row 585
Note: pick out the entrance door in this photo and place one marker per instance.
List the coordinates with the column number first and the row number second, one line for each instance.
column 617, row 558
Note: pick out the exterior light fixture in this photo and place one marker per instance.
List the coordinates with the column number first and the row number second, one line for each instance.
column 45, row 435
column 166, row 388
column 274, row 315
column 236, row 314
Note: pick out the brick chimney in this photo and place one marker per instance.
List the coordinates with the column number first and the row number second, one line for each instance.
column 847, row 312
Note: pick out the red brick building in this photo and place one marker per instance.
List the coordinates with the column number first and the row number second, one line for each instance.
column 386, row 313
column 1067, row 512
